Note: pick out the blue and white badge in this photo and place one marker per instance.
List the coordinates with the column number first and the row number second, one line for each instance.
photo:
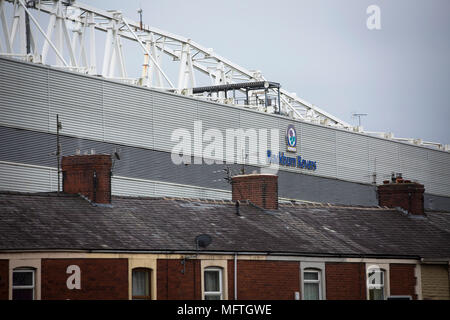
column 291, row 139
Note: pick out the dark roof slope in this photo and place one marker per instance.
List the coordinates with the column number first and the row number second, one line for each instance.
column 69, row 222
column 440, row 219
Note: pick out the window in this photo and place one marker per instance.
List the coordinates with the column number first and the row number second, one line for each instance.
column 213, row 284
column 141, row 284
column 23, row 284
column 311, row 285
column 375, row 284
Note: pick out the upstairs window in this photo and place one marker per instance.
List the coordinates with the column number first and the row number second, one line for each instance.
column 141, row 284
column 23, row 284
column 312, row 285
column 213, row 284
column 375, row 284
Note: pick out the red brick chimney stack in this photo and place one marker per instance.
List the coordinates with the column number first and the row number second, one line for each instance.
column 89, row 175
column 260, row 189
column 402, row 193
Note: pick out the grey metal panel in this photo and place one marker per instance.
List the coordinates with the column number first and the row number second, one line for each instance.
column 163, row 189
column 352, row 157
column 128, row 115
column 16, row 177
column 434, row 202
column 439, row 158
column 132, row 187
column 35, row 148
column 261, row 126
column 23, row 95
column 92, row 108
column 413, row 164
column 383, row 158
column 171, row 113
column 138, row 187
column 29, row 147
column 215, row 117
column 319, row 144
column 142, row 165
column 24, row 178
column 135, row 162
column 439, row 187
column 439, row 174
column 252, row 120
column 78, row 101
column 313, row 188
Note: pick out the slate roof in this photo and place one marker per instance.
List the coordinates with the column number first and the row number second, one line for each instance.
column 70, row 222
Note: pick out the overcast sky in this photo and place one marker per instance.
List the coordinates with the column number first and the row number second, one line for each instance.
column 323, row 51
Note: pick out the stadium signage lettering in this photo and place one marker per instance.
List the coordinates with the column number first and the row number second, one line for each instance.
column 295, row 162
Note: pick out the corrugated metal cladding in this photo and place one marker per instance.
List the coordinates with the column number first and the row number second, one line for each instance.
column 27, row 165
column 145, row 172
column 14, row 177
column 105, row 111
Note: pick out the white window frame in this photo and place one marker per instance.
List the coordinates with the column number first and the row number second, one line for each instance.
column 318, row 281
column 386, row 277
column 382, row 285
column 33, row 277
column 317, row 266
column 213, row 293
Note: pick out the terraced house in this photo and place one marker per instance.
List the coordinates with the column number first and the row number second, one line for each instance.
column 84, row 243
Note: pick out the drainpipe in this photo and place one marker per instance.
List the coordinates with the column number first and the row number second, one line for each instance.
column 235, row 276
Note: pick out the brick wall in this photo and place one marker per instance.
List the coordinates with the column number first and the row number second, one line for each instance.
column 435, row 282
column 345, row 281
column 402, row 280
column 257, row 280
column 105, row 279
column 4, row 279
column 172, row 284
column 260, row 189
column 265, row 280
column 89, row 175
column 408, row 196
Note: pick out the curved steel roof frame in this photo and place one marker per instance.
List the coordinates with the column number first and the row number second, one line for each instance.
column 70, row 34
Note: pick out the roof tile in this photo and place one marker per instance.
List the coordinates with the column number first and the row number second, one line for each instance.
column 46, row 221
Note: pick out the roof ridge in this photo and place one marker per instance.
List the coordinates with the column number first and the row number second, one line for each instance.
column 436, row 211
column 39, row 194
column 171, row 198
column 330, row 205
column 292, row 203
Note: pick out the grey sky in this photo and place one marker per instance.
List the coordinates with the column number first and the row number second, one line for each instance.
column 323, row 51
